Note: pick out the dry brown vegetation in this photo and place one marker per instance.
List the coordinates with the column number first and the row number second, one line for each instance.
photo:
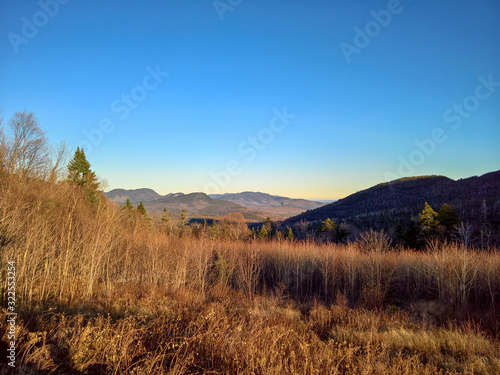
column 104, row 290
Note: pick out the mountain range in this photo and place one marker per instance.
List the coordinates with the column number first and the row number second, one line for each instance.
column 476, row 199
column 253, row 205
column 275, row 204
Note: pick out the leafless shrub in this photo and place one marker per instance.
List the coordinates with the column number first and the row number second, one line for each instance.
column 374, row 241
column 463, row 234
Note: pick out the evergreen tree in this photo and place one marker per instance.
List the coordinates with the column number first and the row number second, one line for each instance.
column 128, row 205
column 271, row 227
column 215, row 229
column 411, row 237
column 165, row 219
column 399, row 232
column 289, row 234
column 327, row 225
column 427, row 220
column 141, row 209
column 263, row 232
column 80, row 174
column 448, row 217
column 341, row 234
column 268, row 222
column 183, row 217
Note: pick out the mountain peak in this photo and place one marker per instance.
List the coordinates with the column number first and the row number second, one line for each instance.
column 135, row 195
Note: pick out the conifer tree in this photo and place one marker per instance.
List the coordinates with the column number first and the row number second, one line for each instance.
column 411, row 237
column 271, row 227
column 341, row 234
column 399, row 233
column 128, row 205
column 427, row 220
column 80, row 174
column 183, row 217
column 141, row 209
column 327, row 225
column 263, row 232
column 289, row 234
column 165, row 219
column 448, row 217
column 215, row 229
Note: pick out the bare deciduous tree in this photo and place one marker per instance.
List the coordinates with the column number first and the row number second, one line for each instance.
column 28, row 148
column 59, row 156
column 25, row 151
column 236, row 225
column 303, row 225
column 464, row 234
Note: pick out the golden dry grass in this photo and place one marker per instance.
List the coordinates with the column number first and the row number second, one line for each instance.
column 102, row 291
column 228, row 333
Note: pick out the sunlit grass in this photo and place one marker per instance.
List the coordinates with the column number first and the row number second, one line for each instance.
column 102, row 291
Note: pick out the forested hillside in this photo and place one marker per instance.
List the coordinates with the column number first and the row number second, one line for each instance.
column 476, row 200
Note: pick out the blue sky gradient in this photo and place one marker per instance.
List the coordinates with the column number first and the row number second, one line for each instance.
column 352, row 122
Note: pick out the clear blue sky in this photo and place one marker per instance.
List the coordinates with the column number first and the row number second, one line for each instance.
column 355, row 104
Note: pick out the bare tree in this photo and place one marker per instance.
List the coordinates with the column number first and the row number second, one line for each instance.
column 236, row 225
column 485, row 236
column 464, row 234
column 303, row 225
column 28, row 148
column 59, row 157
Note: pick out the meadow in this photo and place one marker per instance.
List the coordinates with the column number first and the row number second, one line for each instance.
column 104, row 290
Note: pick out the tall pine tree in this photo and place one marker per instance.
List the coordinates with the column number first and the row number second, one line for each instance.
column 448, row 217
column 128, row 205
column 141, row 209
column 427, row 220
column 80, row 174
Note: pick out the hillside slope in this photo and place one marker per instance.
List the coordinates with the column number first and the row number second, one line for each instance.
column 198, row 204
column 257, row 200
column 382, row 206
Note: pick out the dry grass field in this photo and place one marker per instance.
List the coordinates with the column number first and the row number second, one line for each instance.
column 102, row 290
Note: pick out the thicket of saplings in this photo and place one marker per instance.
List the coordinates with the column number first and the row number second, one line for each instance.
column 102, row 289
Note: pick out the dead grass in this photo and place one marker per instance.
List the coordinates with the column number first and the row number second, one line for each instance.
column 102, row 291
column 231, row 333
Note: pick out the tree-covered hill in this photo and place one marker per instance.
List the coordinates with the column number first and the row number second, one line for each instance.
column 476, row 199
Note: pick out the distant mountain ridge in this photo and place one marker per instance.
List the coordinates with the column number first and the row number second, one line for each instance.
column 197, row 204
column 253, row 205
column 135, row 195
column 383, row 205
column 257, row 200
